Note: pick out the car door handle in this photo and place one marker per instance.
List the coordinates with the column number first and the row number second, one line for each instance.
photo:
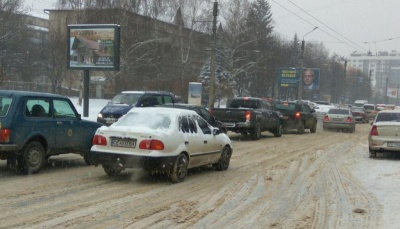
column 205, row 142
column 186, row 143
column 59, row 122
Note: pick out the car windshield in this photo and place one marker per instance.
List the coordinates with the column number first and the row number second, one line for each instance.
column 144, row 120
column 388, row 117
column 125, row 98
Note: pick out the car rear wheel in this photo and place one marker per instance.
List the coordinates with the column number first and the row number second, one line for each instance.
column 300, row 128
column 86, row 158
column 313, row 128
column 278, row 131
column 223, row 162
column 372, row 154
column 256, row 132
column 111, row 170
column 32, row 158
column 179, row 170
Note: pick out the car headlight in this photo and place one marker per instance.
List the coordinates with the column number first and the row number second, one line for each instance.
column 99, row 115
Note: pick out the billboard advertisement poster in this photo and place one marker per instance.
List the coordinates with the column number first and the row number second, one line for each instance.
column 93, row 47
column 195, row 90
column 288, row 77
column 310, row 78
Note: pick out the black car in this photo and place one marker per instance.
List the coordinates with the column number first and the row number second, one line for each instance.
column 126, row 100
column 203, row 112
column 35, row 126
column 297, row 115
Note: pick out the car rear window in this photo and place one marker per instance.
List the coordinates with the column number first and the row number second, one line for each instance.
column 369, row 107
column 338, row 111
column 388, row 117
column 285, row 106
column 4, row 105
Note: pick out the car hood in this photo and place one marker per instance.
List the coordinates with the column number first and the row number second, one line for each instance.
column 116, row 109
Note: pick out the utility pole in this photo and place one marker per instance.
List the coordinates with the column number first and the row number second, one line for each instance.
column 213, row 57
column 344, row 83
column 300, row 87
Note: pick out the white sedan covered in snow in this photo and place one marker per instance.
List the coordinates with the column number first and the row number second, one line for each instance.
column 160, row 140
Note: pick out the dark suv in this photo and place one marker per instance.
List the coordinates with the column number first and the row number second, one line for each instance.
column 126, row 100
column 35, row 126
column 297, row 115
column 203, row 112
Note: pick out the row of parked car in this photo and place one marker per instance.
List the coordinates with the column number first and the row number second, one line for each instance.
column 35, row 126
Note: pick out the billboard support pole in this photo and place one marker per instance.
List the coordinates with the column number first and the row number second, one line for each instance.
column 86, row 82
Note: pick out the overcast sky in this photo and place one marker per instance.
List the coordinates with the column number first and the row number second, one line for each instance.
column 344, row 26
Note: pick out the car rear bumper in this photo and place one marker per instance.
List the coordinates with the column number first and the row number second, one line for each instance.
column 8, row 147
column 131, row 161
column 330, row 125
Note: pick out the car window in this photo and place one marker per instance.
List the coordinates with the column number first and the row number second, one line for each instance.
column 206, row 115
column 285, row 106
column 305, row 109
column 4, row 105
column 37, row 108
column 167, row 99
column 187, row 124
column 205, row 128
column 338, row 111
column 63, row 109
column 388, row 117
column 126, row 98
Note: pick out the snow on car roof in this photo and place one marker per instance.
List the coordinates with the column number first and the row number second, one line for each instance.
column 162, row 110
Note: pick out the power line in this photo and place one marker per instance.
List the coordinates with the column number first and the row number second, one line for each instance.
column 315, row 26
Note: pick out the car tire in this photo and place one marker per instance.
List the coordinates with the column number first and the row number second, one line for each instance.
column 32, row 158
column 111, row 170
column 278, row 131
column 179, row 169
column 86, row 158
column 313, row 128
column 223, row 162
column 256, row 132
column 300, row 128
column 372, row 154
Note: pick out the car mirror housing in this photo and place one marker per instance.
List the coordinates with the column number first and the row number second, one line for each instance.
column 216, row 131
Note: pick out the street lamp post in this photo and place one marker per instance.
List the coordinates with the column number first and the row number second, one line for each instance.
column 300, row 88
column 213, row 57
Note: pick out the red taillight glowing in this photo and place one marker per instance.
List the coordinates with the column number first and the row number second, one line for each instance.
column 5, row 135
column 348, row 119
column 374, row 131
column 151, row 145
column 326, row 119
column 297, row 115
column 99, row 140
column 247, row 115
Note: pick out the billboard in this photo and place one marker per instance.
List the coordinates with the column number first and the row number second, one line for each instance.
column 288, row 77
column 93, row 47
column 310, row 78
column 195, row 90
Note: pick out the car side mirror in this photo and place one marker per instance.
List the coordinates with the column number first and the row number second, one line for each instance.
column 216, row 131
column 79, row 117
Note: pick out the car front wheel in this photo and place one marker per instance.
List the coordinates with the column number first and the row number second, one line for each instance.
column 223, row 162
column 179, row 169
column 32, row 158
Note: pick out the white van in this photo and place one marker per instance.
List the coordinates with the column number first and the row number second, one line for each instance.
column 360, row 103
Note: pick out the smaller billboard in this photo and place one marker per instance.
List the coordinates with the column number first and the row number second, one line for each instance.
column 195, row 90
column 93, row 47
column 288, row 77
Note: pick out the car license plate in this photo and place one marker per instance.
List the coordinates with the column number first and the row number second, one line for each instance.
column 285, row 117
column 123, row 142
column 110, row 120
column 229, row 124
column 337, row 119
column 393, row 144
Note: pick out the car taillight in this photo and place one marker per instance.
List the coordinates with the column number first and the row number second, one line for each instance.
column 297, row 115
column 374, row 131
column 151, row 144
column 348, row 119
column 99, row 140
column 326, row 118
column 247, row 115
column 5, row 135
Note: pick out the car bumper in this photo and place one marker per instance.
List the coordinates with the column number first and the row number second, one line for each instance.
column 131, row 161
column 384, row 145
column 330, row 125
column 8, row 147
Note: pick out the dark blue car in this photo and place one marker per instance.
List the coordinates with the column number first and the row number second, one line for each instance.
column 35, row 126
